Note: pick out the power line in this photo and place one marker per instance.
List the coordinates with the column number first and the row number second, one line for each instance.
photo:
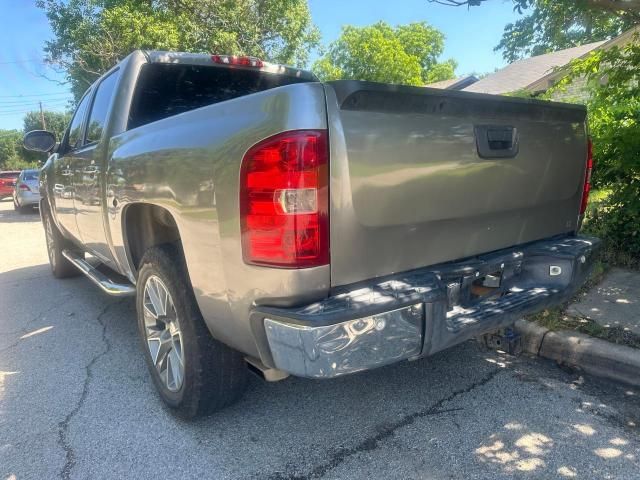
column 33, row 60
column 22, row 98
column 29, row 102
column 34, row 95
column 22, row 114
column 5, row 113
column 34, row 102
column 34, row 106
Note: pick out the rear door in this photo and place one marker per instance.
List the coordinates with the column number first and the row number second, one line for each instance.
column 422, row 176
column 89, row 174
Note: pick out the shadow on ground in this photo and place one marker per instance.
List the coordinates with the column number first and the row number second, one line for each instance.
column 12, row 216
column 77, row 402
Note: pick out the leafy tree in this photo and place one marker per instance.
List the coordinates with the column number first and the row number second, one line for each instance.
column 92, row 35
column 613, row 84
column 12, row 155
column 550, row 25
column 406, row 54
column 613, row 77
column 631, row 7
column 57, row 122
column 9, row 142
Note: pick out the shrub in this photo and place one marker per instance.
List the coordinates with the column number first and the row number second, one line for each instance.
column 613, row 79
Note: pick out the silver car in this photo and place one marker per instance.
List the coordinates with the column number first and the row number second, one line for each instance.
column 26, row 193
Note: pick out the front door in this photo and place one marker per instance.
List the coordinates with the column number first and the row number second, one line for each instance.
column 64, row 170
column 89, row 175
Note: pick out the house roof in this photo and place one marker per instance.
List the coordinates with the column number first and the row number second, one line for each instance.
column 454, row 83
column 544, row 82
column 523, row 73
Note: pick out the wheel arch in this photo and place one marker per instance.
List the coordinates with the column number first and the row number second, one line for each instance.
column 146, row 225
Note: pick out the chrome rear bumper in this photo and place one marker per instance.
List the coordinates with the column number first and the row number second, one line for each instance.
column 25, row 198
column 420, row 312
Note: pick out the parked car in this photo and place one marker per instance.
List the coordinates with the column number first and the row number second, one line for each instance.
column 7, row 182
column 264, row 219
column 26, row 192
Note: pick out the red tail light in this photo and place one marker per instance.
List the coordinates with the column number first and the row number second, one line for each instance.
column 24, row 186
column 587, row 178
column 234, row 60
column 284, row 200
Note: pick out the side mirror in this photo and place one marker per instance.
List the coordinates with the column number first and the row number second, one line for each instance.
column 39, row 141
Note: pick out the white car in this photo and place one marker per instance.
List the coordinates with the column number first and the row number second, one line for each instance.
column 26, row 193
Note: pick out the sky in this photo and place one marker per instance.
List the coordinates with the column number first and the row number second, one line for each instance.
column 25, row 80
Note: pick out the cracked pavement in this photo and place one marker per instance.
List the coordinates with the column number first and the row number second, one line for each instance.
column 76, row 402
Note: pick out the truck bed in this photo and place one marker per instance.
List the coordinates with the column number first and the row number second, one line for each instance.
column 422, row 176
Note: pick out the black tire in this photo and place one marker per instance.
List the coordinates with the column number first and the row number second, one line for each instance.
column 55, row 242
column 214, row 375
column 20, row 209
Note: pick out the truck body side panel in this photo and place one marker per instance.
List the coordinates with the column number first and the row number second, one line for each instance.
column 189, row 164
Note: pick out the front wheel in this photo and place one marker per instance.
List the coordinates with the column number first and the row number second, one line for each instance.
column 56, row 243
column 194, row 373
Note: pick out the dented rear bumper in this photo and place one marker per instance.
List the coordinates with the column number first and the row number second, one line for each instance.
column 417, row 313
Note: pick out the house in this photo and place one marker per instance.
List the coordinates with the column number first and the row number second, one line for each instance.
column 530, row 74
column 454, row 83
column 536, row 75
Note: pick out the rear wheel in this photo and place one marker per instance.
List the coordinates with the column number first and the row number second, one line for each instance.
column 194, row 374
column 60, row 266
column 20, row 209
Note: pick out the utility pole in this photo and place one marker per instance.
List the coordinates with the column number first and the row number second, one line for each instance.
column 44, row 123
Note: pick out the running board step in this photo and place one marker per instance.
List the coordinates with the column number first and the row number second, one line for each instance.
column 107, row 285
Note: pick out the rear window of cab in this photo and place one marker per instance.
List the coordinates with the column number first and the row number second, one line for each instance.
column 166, row 89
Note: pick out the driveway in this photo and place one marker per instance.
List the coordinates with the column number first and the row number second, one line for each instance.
column 76, row 402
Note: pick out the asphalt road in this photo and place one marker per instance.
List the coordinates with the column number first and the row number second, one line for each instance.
column 76, row 402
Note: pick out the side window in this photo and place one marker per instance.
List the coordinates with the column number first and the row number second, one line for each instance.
column 75, row 129
column 100, row 107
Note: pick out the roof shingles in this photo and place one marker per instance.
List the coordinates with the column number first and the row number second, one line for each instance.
column 523, row 73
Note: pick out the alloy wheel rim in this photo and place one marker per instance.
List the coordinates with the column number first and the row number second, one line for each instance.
column 163, row 335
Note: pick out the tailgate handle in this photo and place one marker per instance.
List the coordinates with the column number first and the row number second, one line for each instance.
column 496, row 141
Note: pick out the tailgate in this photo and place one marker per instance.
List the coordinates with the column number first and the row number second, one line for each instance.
column 422, row 176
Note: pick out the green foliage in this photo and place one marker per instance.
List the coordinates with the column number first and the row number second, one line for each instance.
column 522, row 93
column 56, row 122
column 613, row 78
column 18, row 163
column 12, row 155
column 406, row 54
column 9, row 142
column 92, row 35
column 550, row 25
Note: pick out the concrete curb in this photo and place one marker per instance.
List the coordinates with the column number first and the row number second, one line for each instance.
column 592, row 355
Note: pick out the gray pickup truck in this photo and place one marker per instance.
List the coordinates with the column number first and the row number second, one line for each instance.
column 267, row 221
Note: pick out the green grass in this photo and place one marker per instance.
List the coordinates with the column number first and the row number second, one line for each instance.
column 610, row 254
column 557, row 318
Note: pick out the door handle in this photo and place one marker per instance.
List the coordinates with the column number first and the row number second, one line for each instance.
column 496, row 141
